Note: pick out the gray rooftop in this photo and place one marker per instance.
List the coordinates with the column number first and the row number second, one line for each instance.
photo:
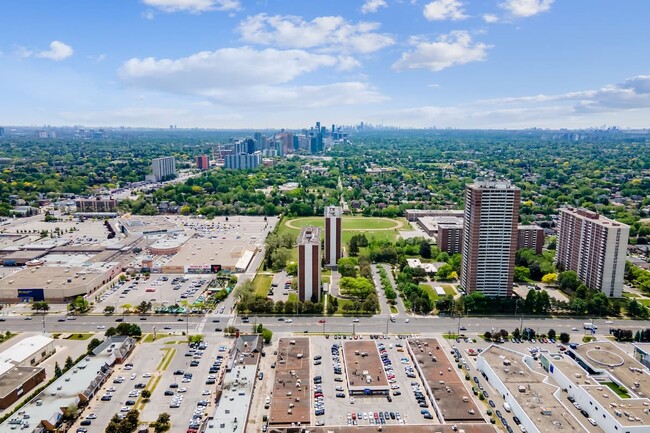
column 232, row 411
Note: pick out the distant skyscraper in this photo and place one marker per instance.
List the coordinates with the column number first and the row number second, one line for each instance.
column 202, row 162
column 243, row 161
column 332, row 235
column 309, row 264
column 163, row 167
column 490, row 237
column 594, row 247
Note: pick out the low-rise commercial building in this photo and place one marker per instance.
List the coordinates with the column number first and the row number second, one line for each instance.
column 590, row 373
column 58, row 284
column 96, row 204
column 529, row 395
column 75, row 387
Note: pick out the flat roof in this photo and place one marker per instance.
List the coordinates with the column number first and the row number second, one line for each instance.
column 605, row 355
column 636, row 408
column 356, row 365
column 24, row 255
column 22, row 350
column 147, row 224
column 16, row 377
column 441, row 376
column 398, row 428
column 534, row 395
column 235, row 401
column 207, row 252
column 309, row 235
column 53, row 399
column 293, row 365
column 56, row 276
column 433, row 222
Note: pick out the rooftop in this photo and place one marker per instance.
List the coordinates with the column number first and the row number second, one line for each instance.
column 291, row 390
column 22, row 350
column 360, row 367
column 309, row 235
column 592, row 216
column 52, row 399
column 441, row 376
column 605, row 355
column 15, row 378
column 528, row 388
column 232, row 411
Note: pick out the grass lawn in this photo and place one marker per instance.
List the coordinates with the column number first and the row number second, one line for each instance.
column 149, row 337
column 393, row 309
column 448, row 289
column 619, row 390
column 262, row 283
column 630, row 295
column 644, row 302
column 379, row 228
column 293, row 297
column 430, row 290
column 80, row 336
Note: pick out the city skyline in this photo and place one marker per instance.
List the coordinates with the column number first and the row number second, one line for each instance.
column 240, row 64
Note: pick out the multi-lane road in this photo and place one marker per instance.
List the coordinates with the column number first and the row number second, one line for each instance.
column 375, row 324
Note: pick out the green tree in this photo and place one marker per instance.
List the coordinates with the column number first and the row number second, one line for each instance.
column 57, row 370
column 43, row 306
column 568, row 280
column 109, row 309
column 425, row 249
column 162, row 424
column 551, row 334
column 522, row 273
column 145, row 394
column 564, row 337
column 93, row 344
column 267, row 334
column 68, row 363
column 347, row 266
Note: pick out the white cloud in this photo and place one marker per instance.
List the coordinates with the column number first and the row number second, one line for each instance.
column 248, row 77
column 57, row 52
column 148, row 14
column 526, row 8
column 440, row 10
column 490, row 18
column 192, row 6
column 455, row 48
column 372, row 6
column 329, row 33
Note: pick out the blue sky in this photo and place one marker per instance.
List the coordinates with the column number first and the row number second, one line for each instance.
column 288, row 63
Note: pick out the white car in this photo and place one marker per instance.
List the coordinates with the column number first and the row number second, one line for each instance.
column 288, row 321
column 125, row 409
column 355, row 320
column 206, row 392
column 101, row 326
column 351, row 400
column 133, row 376
column 145, row 375
column 407, row 320
column 182, row 389
column 608, row 322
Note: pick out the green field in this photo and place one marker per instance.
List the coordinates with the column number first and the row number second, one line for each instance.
column 379, row 228
column 262, row 283
column 79, row 336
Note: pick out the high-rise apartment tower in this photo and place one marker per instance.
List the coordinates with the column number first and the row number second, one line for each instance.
column 332, row 234
column 490, row 237
column 309, row 264
column 594, row 247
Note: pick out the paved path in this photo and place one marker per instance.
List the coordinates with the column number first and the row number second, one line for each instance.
column 400, row 303
column 383, row 302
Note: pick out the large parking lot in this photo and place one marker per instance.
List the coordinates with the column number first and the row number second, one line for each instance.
column 398, row 395
column 160, row 290
column 165, row 370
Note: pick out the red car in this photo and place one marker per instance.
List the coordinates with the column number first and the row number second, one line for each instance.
column 321, row 321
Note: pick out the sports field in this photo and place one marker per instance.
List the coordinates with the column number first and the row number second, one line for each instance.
column 379, row 228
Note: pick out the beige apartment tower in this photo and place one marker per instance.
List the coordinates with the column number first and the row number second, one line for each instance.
column 332, row 235
column 309, row 264
column 594, row 247
column 490, row 237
